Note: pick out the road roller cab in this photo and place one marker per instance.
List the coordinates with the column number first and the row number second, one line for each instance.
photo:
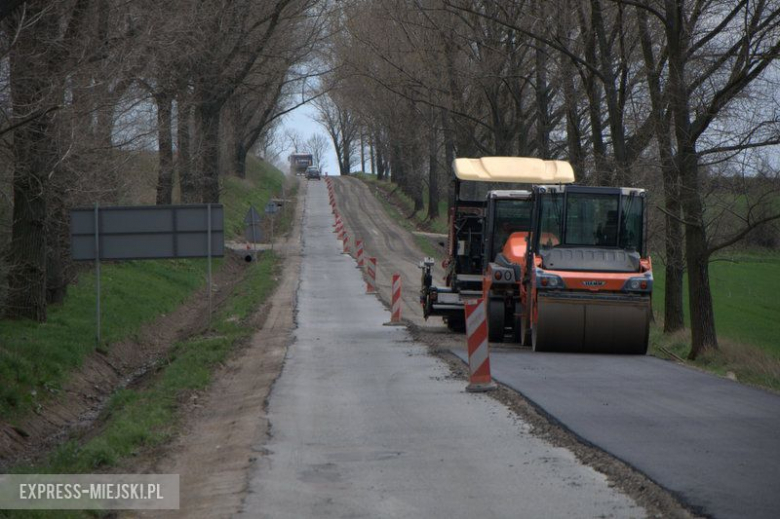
column 588, row 277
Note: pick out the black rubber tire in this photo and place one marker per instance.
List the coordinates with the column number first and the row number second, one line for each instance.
column 456, row 324
column 496, row 320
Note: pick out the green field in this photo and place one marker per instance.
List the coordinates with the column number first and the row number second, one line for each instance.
column 36, row 359
column 745, row 291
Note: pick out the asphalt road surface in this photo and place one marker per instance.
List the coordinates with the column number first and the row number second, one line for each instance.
column 713, row 442
column 364, row 423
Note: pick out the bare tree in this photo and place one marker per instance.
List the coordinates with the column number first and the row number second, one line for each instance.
column 317, row 145
column 342, row 127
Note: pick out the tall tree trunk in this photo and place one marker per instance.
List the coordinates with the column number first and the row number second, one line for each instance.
column 208, row 163
column 703, row 335
column 239, row 159
column 57, row 254
column 603, row 173
column 34, row 156
column 673, row 237
column 433, row 168
column 568, row 71
column 164, row 103
column 397, row 173
column 190, row 192
column 614, row 108
column 449, row 155
column 380, row 159
column 239, row 149
column 674, row 269
column 371, row 152
column 362, row 152
column 542, row 105
column 345, row 166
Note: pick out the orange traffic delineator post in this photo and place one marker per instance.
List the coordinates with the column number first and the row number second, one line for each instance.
column 479, row 355
column 395, row 309
column 359, row 247
column 371, row 278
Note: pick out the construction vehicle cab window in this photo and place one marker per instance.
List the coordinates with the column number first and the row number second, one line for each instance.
column 561, row 267
column 511, row 216
column 592, row 219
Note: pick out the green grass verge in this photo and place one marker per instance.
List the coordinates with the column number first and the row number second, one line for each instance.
column 406, row 205
column 744, row 292
column 262, row 183
column 36, row 359
column 137, row 419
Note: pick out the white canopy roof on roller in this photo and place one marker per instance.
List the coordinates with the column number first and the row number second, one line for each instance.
column 514, row 169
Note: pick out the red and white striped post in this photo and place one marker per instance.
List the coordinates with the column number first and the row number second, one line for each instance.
column 346, row 244
column 371, row 281
column 479, row 355
column 395, row 316
column 359, row 246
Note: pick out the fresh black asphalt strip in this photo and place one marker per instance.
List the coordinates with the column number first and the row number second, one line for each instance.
column 713, row 442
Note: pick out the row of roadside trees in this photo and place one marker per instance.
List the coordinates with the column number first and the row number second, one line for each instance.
column 84, row 84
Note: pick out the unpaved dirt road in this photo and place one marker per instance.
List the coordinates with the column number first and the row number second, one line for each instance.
column 365, row 423
column 710, row 441
column 394, row 247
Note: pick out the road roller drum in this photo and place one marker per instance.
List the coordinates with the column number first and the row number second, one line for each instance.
column 592, row 323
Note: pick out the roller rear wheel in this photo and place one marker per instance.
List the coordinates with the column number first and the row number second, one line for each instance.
column 496, row 320
column 456, row 324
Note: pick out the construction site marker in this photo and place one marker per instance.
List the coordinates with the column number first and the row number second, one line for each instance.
column 479, row 354
column 359, row 247
column 371, row 276
column 395, row 309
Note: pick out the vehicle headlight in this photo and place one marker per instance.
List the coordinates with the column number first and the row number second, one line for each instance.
column 639, row 284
